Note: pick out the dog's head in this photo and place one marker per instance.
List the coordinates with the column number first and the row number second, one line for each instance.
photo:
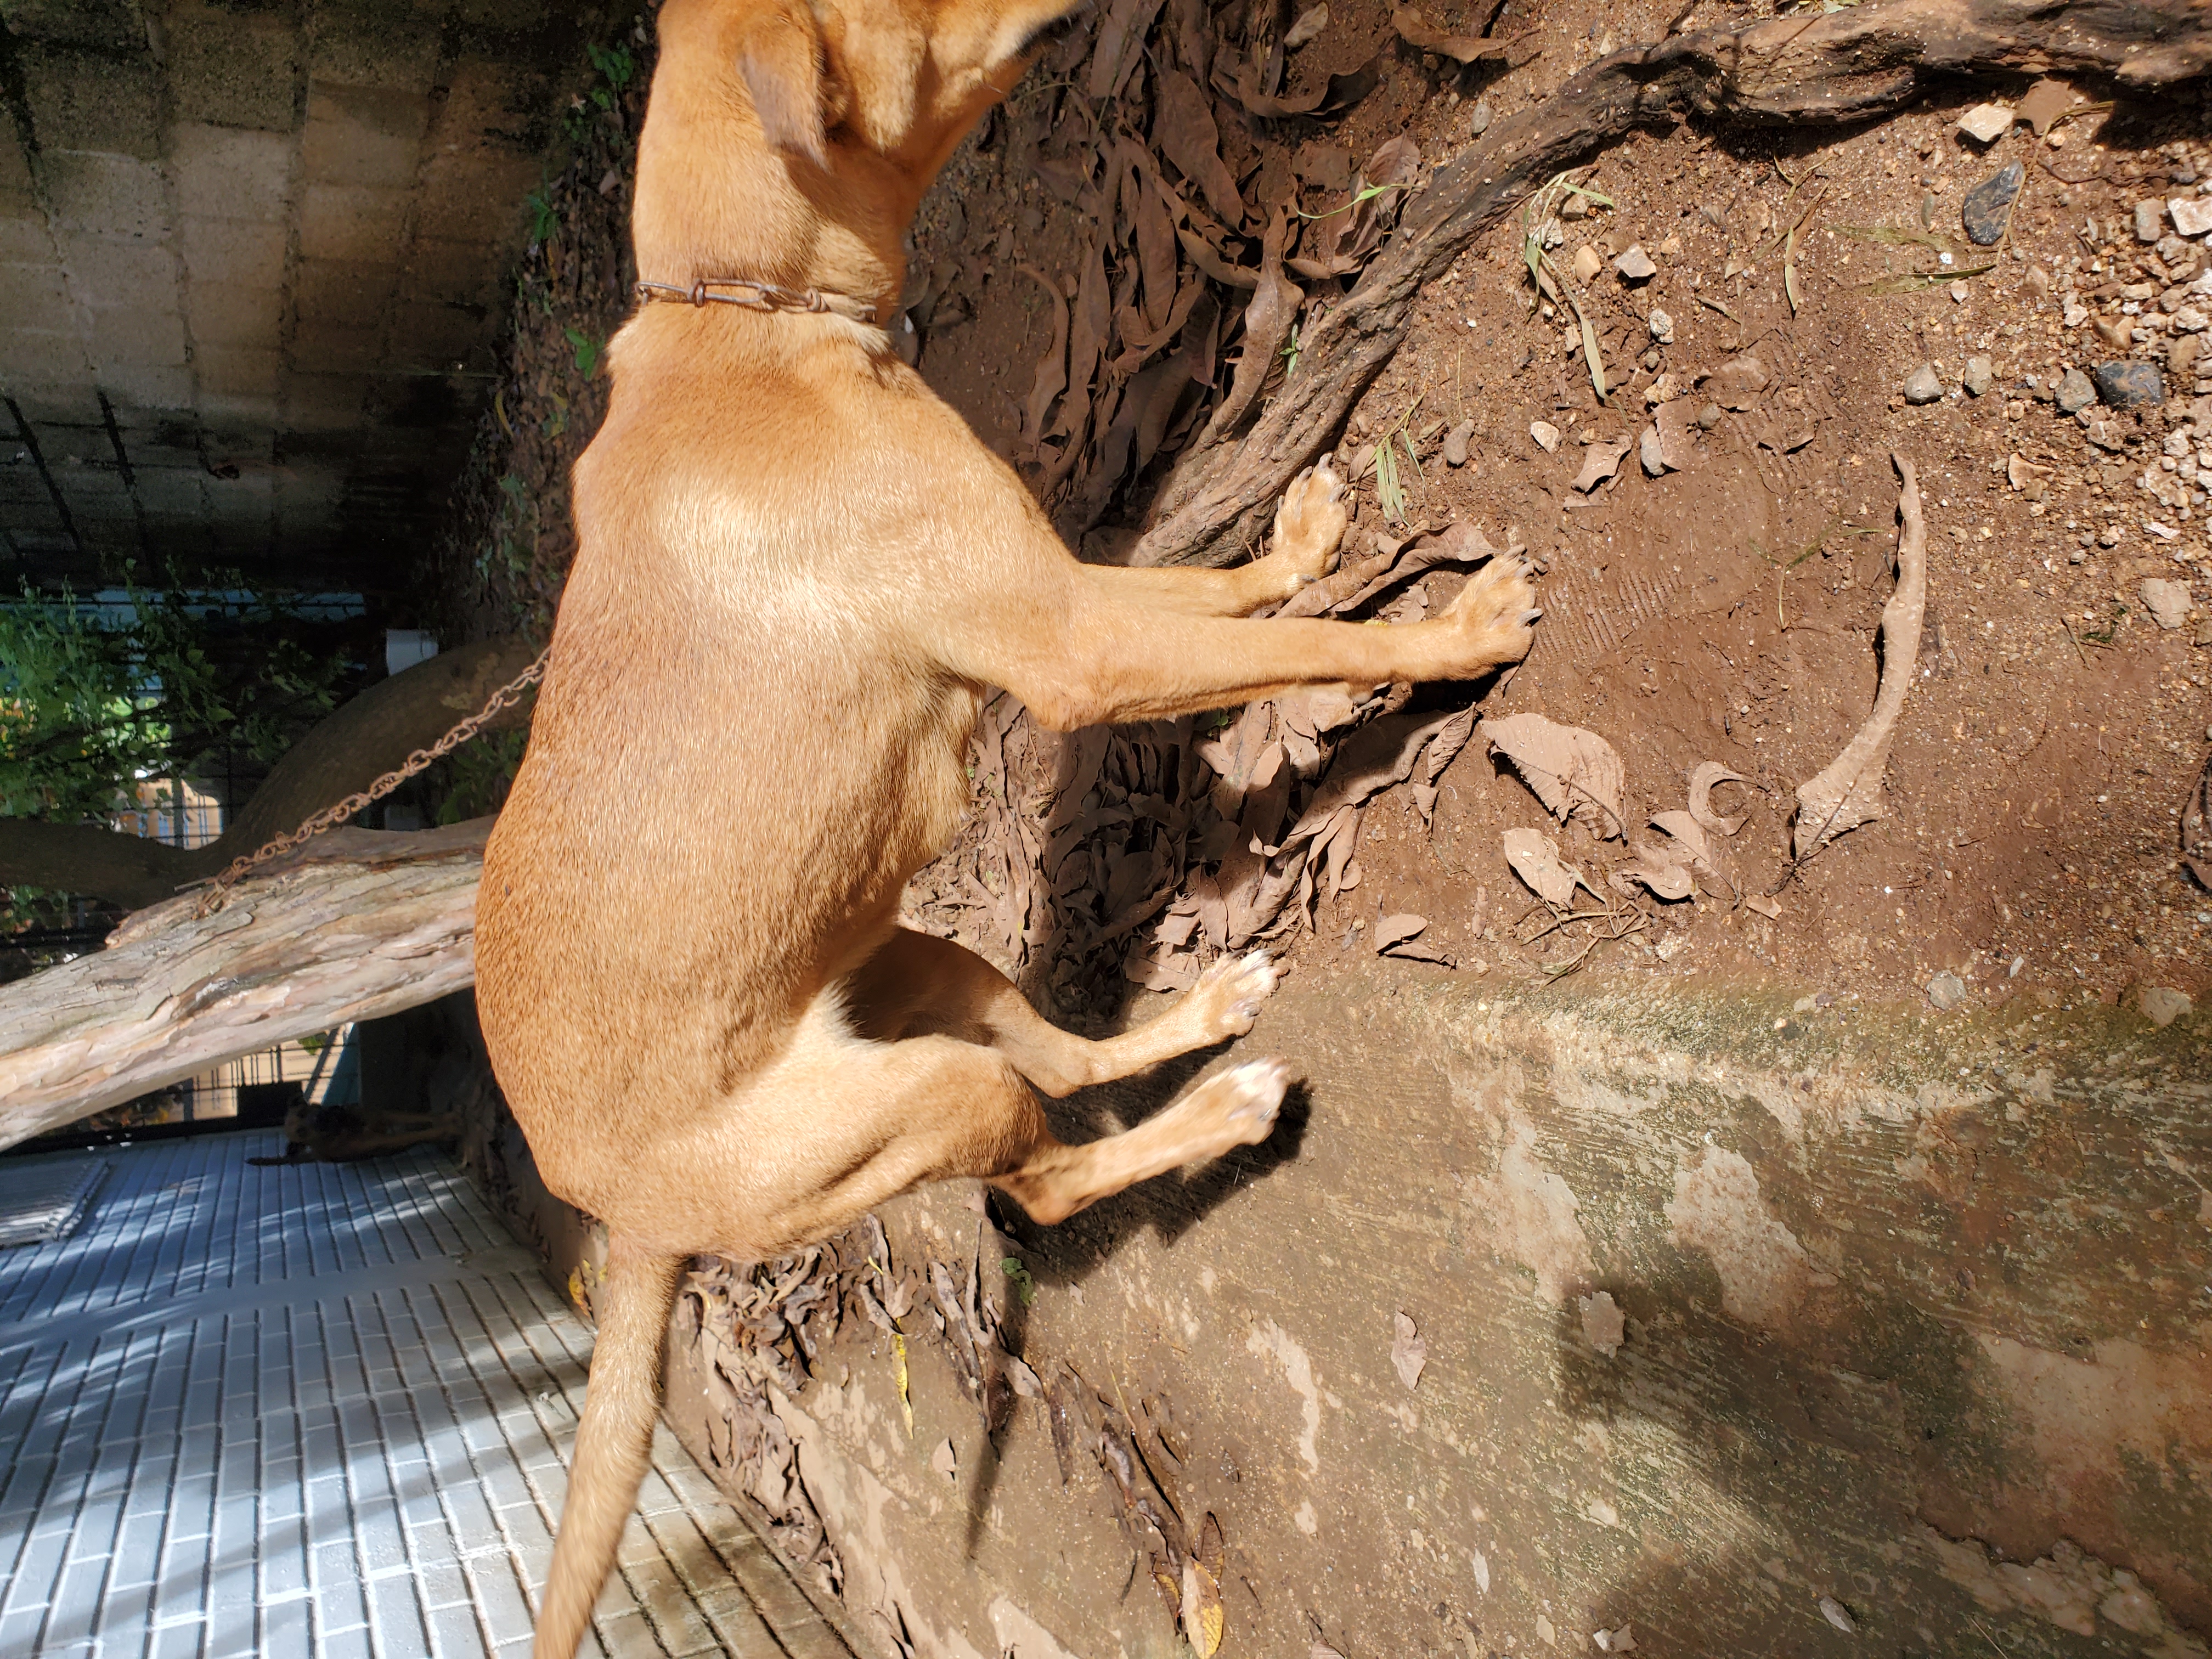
column 896, row 81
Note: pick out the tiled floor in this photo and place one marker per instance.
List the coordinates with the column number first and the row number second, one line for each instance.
column 322, row 1410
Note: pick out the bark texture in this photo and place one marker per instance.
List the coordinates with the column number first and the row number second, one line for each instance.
column 368, row 737
column 363, row 925
column 1867, row 60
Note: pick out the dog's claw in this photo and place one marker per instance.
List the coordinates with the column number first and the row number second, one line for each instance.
column 1228, row 995
column 1256, row 1091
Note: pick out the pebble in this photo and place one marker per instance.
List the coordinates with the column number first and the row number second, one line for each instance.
column 1980, row 373
column 2166, row 601
column 1588, row 263
column 1922, row 386
column 2076, row 392
column 1483, row 116
column 1663, row 328
column 1456, row 442
column 2150, row 221
column 1709, row 416
column 2130, row 386
column 1546, row 436
column 1945, row 991
column 1958, row 293
column 1635, row 265
column 2192, row 215
column 2116, row 333
column 1988, row 206
column 1986, row 123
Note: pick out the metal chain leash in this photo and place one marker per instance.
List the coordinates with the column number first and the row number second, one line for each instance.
column 508, row 695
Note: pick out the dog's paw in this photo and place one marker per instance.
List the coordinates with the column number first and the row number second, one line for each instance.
column 1226, row 998
column 1496, row 612
column 1233, row 1108
column 1310, row 523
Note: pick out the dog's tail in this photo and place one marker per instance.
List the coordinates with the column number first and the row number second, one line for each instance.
column 613, row 1441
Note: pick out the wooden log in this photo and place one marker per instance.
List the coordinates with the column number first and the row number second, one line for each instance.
column 363, row 923
column 1848, row 66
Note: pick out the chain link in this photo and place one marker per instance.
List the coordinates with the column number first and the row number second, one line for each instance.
column 218, row 894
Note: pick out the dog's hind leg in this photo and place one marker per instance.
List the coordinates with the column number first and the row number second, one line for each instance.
column 919, row 983
column 613, row 1441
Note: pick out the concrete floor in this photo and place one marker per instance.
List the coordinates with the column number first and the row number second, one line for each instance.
column 321, row 1409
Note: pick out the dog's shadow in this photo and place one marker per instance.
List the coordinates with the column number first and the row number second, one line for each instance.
column 1167, row 1206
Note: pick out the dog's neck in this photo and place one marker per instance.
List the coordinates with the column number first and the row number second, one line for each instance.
column 758, row 215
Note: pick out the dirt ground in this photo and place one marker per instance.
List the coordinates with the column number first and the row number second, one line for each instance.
column 1727, row 611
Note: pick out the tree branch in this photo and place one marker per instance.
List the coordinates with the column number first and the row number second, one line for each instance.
column 1869, row 60
column 360, row 925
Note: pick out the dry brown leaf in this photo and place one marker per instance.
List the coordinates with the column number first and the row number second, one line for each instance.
column 1463, row 48
column 1183, row 129
column 1662, row 869
column 1377, row 756
column 1052, row 368
column 1396, row 930
column 1572, row 771
column 1764, row 905
column 1686, row 830
column 1601, row 461
column 2044, row 102
column 1203, row 1618
column 1847, row 792
column 1409, row 1355
column 1534, row 857
column 1339, row 92
column 1736, row 382
column 1274, row 305
column 1702, row 782
column 1121, row 43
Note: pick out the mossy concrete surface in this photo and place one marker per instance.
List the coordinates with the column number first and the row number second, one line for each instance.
column 1914, row 1337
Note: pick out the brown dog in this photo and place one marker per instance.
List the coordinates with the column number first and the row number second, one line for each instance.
column 799, row 574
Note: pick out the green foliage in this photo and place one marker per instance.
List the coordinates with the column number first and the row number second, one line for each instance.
column 95, row 697
column 587, row 349
column 544, row 220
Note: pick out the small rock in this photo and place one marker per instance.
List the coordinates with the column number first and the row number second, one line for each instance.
column 2116, row 333
column 2046, row 101
column 1604, row 1327
column 2130, row 386
column 1575, row 207
column 1479, row 123
column 2167, row 602
column 1988, row 206
column 1922, row 386
column 2159, row 1004
column 2182, row 354
column 2038, row 279
column 2150, row 221
column 1837, row 1614
column 1946, row 991
column 1588, row 263
column 2076, row 392
column 2192, row 215
column 1310, row 23
column 1615, row 1641
column 1652, row 452
column 1663, row 328
column 1635, row 265
column 1709, row 416
column 1986, row 123
column 1546, row 436
column 1981, row 373
column 944, row 1460
column 1456, row 442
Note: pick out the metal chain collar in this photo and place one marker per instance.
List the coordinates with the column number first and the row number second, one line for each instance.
column 757, row 296
column 218, row 894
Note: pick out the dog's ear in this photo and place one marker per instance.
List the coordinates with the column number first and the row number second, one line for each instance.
column 780, row 60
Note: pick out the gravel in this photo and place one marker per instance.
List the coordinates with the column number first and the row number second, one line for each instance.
column 1988, row 207
column 1981, row 373
column 2131, row 385
column 1922, row 385
column 2076, row 392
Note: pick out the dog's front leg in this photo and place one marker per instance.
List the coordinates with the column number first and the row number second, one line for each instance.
column 1085, row 659
column 1310, row 523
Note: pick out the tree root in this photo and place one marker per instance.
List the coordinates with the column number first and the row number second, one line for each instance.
column 1847, row 792
column 1868, row 60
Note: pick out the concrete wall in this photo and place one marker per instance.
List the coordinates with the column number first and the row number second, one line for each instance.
column 1732, row 1321
column 253, row 260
